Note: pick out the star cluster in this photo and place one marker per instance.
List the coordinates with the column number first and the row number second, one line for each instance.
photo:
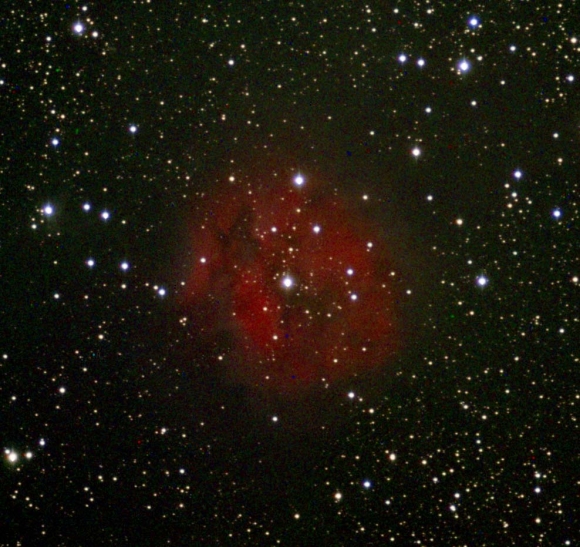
column 298, row 277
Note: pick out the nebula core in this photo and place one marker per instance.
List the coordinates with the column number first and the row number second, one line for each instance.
column 296, row 277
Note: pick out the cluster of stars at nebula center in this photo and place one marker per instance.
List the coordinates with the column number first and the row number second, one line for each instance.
column 300, row 277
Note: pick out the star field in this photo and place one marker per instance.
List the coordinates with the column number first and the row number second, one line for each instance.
column 289, row 273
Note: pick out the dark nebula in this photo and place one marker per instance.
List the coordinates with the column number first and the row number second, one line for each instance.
column 291, row 285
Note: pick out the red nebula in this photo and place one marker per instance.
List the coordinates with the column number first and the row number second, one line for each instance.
column 297, row 278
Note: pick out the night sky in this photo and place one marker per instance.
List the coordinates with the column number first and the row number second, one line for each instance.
column 289, row 273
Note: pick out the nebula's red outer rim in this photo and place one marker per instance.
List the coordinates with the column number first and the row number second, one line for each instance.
column 338, row 315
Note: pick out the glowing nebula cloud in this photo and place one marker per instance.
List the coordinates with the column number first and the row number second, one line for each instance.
column 298, row 279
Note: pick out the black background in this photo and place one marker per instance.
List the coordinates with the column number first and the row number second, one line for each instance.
column 479, row 408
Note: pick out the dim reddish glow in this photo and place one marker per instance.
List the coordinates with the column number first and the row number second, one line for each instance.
column 299, row 306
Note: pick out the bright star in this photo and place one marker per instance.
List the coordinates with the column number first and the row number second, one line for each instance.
column 464, row 66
